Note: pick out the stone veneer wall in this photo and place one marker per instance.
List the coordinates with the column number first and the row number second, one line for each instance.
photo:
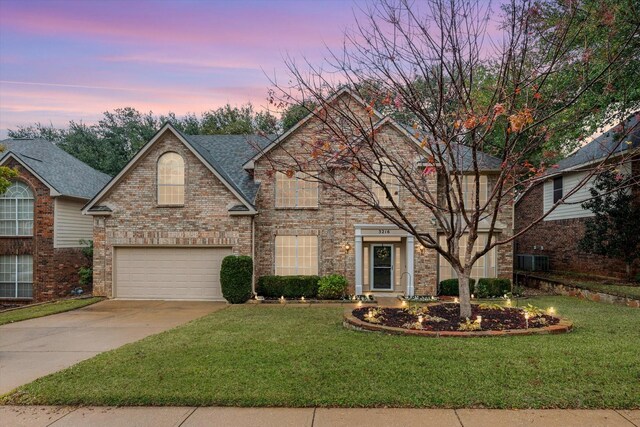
column 55, row 270
column 559, row 239
column 137, row 220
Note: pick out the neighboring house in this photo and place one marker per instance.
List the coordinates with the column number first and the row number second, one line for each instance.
column 163, row 225
column 41, row 222
column 557, row 236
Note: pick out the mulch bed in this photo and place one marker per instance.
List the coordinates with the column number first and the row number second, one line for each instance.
column 492, row 319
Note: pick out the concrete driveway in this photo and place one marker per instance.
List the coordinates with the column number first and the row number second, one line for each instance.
column 38, row 347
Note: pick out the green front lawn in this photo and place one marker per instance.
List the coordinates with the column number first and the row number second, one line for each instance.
column 31, row 312
column 259, row 355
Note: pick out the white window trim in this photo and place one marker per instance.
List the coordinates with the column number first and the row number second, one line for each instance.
column 183, row 185
column 297, row 257
column 17, row 282
column 486, row 274
column 17, row 219
column 296, row 179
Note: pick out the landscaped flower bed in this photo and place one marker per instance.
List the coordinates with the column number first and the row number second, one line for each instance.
column 347, row 299
column 444, row 319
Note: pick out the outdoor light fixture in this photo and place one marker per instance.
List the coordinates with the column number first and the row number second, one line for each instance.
column 302, row 299
column 420, row 319
column 551, row 311
column 347, row 247
column 404, row 303
column 359, row 303
column 456, row 300
column 472, row 296
column 508, row 302
column 419, row 248
column 282, row 300
column 526, row 319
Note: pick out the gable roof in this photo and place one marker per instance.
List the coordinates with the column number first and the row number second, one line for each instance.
column 463, row 156
column 60, row 171
column 222, row 154
column 249, row 163
column 229, row 153
column 607, row 143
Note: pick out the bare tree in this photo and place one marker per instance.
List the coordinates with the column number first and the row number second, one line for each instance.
column 463, row 80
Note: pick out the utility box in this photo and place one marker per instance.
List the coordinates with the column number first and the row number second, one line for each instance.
column 528, row 262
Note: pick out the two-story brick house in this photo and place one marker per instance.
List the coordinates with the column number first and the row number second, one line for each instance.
column 557, row 236
column 41, row 223
column 163, row 225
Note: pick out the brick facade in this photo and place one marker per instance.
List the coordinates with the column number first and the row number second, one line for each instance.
column 335, row 218
column 204, row 220
column 55, row 270
column 558, row 239
column 137, row 220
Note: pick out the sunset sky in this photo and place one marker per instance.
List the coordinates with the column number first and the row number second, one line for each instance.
column 64, row 60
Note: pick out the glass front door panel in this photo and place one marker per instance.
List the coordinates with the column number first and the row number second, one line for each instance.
column 382, row 263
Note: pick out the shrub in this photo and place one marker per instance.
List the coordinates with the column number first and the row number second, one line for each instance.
column 492, row 287
column 332, row 287
column 450, row 287
column 235, row 278
column 85, row 274
column 288, row 286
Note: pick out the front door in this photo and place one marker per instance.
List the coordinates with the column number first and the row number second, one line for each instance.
column 382, row 267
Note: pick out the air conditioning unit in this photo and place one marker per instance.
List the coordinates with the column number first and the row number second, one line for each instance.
column 528, row 262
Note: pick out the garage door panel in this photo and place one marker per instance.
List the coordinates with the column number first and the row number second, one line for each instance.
column 168, row 273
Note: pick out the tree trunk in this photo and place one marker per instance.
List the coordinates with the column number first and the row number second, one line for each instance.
column 465, row 295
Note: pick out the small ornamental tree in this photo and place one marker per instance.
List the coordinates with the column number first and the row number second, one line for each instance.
column 235, row 278
column 85, row 274
column 614, row 231
column 463, row 78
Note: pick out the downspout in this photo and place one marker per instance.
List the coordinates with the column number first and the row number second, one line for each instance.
column 253, row 253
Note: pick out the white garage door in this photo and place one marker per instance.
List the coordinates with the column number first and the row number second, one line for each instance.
column 168, row 273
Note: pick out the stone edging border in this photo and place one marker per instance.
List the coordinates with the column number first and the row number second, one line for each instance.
column 352, row 322
column 314, row 301
column 560, row 288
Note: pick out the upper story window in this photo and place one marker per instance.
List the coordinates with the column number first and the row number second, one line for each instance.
column 171, row 179
column 297, row 191
column 16, row 211
column 557, row 189
column 392, row 184
column 468, row 184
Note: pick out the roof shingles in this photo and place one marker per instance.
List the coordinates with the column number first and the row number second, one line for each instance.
column 59, row 169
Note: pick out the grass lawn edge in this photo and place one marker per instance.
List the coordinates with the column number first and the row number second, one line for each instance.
column 28, row 312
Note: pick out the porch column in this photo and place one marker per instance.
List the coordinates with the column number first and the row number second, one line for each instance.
column 358, row 249
column 410, row 252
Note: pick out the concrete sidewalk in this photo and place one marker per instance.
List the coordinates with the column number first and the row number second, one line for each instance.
column 310, row 417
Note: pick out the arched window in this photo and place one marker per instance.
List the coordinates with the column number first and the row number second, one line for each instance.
column 171, row 179
column 16, row 211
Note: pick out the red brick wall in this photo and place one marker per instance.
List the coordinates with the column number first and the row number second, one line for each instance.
column 559, row 239
column 55, row 271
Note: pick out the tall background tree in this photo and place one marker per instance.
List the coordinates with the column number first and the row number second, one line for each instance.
column 465, row 79
column 614, row 231
column 108, row 145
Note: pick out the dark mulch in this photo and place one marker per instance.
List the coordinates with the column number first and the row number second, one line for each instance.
column 492, row 319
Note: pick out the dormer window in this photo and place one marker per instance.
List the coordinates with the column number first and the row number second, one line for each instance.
column 171, row 180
